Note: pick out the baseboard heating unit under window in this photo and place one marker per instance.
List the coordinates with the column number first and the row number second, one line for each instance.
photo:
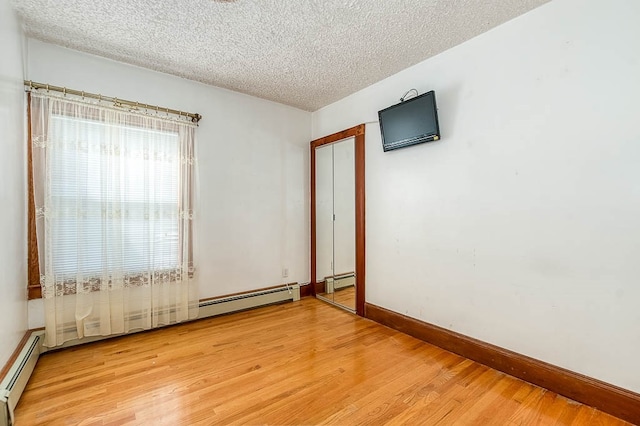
column 17, row 377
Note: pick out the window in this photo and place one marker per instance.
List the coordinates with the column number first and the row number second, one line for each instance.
column 113, row 199
column 112, row 194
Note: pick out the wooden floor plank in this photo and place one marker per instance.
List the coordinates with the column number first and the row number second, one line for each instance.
column 298, row 363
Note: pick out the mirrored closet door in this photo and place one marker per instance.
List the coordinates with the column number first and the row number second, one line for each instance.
column 338, row 219
column 335, row 223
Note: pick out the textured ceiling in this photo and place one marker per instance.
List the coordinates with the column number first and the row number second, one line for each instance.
column 304, row 53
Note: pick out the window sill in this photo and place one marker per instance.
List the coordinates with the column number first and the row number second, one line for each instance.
column 34, row 292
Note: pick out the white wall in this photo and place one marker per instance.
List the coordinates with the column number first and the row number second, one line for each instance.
column 13, row 214
column 253, row 168
column 521, row 226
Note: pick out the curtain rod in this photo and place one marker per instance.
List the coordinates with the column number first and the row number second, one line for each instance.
column 117, row 102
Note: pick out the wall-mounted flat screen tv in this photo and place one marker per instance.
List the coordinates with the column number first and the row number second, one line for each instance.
column 410, row 122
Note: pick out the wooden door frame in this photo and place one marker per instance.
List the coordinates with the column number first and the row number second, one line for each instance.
column 358, row 133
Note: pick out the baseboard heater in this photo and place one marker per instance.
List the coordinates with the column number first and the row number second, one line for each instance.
column 244, row 301
column 15, row 381
column 217, row 306
column 339, row 282
column 210, row 308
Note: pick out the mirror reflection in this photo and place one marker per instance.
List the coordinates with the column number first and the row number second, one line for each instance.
column 335, row 223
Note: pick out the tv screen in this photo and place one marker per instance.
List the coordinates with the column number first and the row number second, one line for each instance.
column 410, row 122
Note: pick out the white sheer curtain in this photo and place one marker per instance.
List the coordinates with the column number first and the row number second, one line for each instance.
column 114, row 199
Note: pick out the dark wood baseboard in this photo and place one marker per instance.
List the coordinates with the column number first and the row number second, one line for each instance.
column 611, row 399
column 321, row 287
column 305, row 290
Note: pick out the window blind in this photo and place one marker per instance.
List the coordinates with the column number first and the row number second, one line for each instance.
column 115, row 189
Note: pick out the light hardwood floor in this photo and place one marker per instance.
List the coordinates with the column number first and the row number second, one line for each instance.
column 345, row 297
column 299, row 363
